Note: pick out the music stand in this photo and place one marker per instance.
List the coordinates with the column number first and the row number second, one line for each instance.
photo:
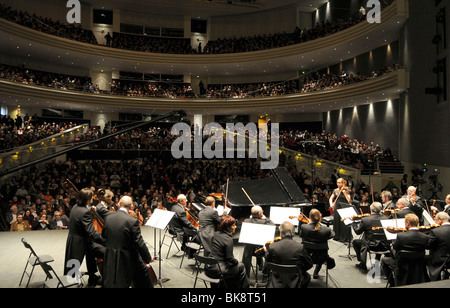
column 278, row 215
column 159, row 220
column 348, row 212
column 256, row 234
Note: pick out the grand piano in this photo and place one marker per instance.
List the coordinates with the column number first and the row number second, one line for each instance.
column 279, row 189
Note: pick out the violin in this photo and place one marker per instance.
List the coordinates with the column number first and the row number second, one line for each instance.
column 398, row 230
column 301, row 218
column 266, row 246
column 356, row 217
column 393, row 230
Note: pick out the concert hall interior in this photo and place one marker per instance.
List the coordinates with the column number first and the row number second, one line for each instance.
column 308, row 109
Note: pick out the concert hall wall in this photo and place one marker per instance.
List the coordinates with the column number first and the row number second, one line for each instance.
column 424, row 122
column 377, row 122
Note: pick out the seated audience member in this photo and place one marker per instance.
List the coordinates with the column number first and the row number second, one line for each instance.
column 20, row 224
column 59, row 221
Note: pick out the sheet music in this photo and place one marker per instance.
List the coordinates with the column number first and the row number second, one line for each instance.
column 278, row 215
column 346, row 213
column 256, row 234
column 392, row 223
column 160, row 219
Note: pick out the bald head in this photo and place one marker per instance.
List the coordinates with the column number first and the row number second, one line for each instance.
column 125, row 202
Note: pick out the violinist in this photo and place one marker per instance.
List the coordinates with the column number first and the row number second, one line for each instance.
column 257, row 217
column 83, row 240
column 416, row 203
column 340, row 196
column 439, row 245
column 372, row 239
column 411, row 240
column 287, row 251
column 403, row 206
column 446, row 206
column 318, row 235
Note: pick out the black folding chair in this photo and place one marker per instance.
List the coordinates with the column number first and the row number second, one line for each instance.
column 201, row 262
column 191, row 243
column 33, row 260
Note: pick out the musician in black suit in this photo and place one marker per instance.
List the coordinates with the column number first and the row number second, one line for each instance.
column 257, row 217
column 386, row 198
column 126, row 250
column 439, row 245
column 208, row 220
column 403, row 206
column 373, row 239
column 83, row 240
column 180, row 220
column 411, row 240
column 416, row 203
column 316, row 235
column 287, row 251
column 222, row 250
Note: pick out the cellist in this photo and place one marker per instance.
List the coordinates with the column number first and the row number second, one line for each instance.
column 83, row 240
column 180, row 219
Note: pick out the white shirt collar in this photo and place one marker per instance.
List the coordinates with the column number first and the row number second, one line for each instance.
column 124, row 210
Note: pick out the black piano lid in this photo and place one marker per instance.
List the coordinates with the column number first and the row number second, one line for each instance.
column 280, row 189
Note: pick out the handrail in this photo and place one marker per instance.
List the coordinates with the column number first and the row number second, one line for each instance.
column 394, row 80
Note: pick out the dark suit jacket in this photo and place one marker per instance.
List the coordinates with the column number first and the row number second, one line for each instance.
column 288, row 252
column 180, row 220
column 404, row 212
column 413, row 240
column 125, row 250
column 81, row 234
column 208, row 219
column 439, row 244
column 319, row 238
column 371, row 237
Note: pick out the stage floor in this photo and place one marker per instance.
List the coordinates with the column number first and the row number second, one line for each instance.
column 14, row 255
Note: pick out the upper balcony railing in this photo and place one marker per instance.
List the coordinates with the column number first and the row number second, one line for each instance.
column 394, row 82
column 398, row 10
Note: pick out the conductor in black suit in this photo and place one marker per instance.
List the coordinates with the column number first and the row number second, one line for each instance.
column 374, row 239
column 287, row 251
column 126, row 250
column 439, row 245
column 83, row 240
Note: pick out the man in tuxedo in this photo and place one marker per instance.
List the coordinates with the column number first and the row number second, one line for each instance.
column 287, row 251
column 416, row 203
column 180, row 220
column 403, row 206
column 411, row 240
column 257, row 217
column 386, row 198
column 83, row 240
column 126, row 253
column 439, row 245
column 373, row 239
column 208, row 220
